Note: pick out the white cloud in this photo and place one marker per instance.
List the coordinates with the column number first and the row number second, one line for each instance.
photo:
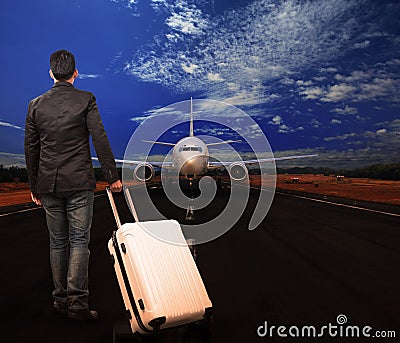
column 130, row 4
column 138, row 119
column 233, row 87
column 346, row 110
column 373, row 84
column 215, row 77
column 379, row 88
column 159, row 3
column 395, row 124
column 381, row 132
column 339, row 92
column 394, row 62
column 355, row 76
column 328, row 70
column 88, row 76
column 243, row 97
column 313, row 93
column 315, row 123
column 5, row 124
column 277, row 120
column 335, row 121
column 189, row 22
column 272, row 97
column 287, row 81
column 304, row 83
column 284, row 129
column 362, row 45
column 173, row 37
column 340, row 137
column 190, row 69
column 213, row 131
column 264, row 41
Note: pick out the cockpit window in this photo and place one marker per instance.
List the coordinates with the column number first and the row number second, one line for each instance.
column 190, row 148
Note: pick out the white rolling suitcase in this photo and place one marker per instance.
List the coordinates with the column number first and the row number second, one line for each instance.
column 159, row 281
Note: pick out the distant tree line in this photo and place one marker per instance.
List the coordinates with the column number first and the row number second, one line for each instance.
column 307, row 170
column 17, row 174
column 13, row 174
column 376, row 171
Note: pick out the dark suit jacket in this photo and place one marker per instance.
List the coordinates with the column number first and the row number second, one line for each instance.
column 57, row 150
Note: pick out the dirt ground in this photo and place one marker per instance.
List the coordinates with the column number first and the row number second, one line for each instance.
column 12, row 193
column 380, row 191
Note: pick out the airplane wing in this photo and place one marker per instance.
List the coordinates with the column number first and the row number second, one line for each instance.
column 271, row 159
column 154, row 164
column 156, row 142
column 213, row 165
column 224, row 142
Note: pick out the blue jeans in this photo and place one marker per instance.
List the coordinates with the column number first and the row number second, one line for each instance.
column 69, row 219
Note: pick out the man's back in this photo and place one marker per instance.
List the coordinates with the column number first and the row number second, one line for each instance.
column 58, row 126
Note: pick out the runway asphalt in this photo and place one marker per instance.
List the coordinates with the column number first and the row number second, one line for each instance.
column 307, row 263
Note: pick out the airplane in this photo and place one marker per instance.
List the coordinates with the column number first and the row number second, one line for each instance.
column 191, row 159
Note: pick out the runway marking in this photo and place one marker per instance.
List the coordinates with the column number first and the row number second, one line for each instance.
column 342, row 205
column 330, row 203
column 20, row 211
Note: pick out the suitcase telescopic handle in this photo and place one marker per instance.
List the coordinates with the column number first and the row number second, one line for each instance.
column 114, row 208
column 130, row 203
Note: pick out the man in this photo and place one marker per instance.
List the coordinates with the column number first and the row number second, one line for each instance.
column 58, row 159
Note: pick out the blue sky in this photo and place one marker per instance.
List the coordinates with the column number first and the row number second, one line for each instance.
column 317, row 76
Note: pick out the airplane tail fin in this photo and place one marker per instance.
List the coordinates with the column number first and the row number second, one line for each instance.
column 191, row 133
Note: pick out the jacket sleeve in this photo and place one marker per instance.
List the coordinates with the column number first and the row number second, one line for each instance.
column 100, row 142
column 32, row 148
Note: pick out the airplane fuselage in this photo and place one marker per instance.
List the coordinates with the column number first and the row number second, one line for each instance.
column 190, row 157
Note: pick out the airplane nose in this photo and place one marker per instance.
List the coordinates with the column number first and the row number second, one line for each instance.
column 196, row 165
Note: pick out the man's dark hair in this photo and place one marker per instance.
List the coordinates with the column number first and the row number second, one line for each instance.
column 62, row 64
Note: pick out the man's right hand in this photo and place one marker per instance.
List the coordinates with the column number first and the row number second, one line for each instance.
column 36, row 199
column 116, row 186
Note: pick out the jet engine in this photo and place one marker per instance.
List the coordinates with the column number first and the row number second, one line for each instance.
column 238, row 171
column 143, row 172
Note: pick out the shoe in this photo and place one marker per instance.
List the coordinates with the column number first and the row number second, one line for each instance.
column 84, row 314
column 60, row 308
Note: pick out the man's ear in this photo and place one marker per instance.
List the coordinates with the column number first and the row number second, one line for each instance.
column 51, row 74
column 75, row 74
